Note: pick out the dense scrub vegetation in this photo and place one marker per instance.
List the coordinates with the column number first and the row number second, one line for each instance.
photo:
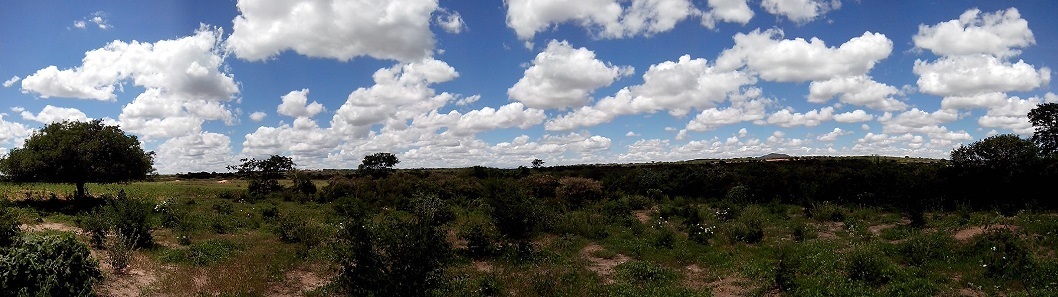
column 982, row 223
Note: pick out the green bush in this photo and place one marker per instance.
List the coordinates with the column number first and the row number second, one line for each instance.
column 293, row 228
column 480, row 234
column 869, row 265
column 9, row 226
column 517, row 216
column 926, row 248
column 642, row 273
column 48, row 265
column 826, row 212
column 578, row 191
column 203, row 253
column 701, row 233
column 96, row 224
column 397, row 254
column 738, row 231
column 130, row 217
column 1003, row 255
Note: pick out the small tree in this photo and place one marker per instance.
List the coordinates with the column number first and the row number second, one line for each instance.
column 378, row 164
column 537, row 163
column 1045, row 118
column 79, row 153
column 264, row 174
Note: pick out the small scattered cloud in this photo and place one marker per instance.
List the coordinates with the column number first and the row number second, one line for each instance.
column 96, row 19
column 258, row 116
column 12, row 81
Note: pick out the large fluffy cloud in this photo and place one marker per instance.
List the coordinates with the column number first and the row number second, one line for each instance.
column 798, row 60
column 603, row 18
column 342, row 30
column 563, row 77
column 679, row 87
column 189, row 67
column 184, row 81
column 976, row 74
column 998, row 33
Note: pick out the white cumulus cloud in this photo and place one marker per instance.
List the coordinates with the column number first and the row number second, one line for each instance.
column 731, row 11
column 563, row 77
column 857, row 90
column 258, row 116
column 798, row 60
column 51, row 114
column 976, row 74
column 342, row 30
column 602, row 18
column 997, row 33
column 800, row 11
column 296, row 104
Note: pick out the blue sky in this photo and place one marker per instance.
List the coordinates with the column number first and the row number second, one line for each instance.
column 459, row 83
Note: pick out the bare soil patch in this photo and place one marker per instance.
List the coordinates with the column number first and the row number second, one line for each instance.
column 971, row 232
column 830, row 230
column 297, row 282
column 136, row 280
column 602, row 266
column 642, row 215
column 51, row 226
column 729, row 286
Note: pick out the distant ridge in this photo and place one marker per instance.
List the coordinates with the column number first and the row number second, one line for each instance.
column 775, row 156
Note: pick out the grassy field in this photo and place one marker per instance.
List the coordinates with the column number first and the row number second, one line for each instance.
column 210, row 240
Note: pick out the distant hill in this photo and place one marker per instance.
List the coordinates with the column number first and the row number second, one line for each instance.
column 775, row 156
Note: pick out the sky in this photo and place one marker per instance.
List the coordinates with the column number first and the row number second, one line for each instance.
column 206, row 83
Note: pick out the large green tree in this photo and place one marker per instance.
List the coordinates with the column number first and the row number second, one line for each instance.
column 1045, row 118
column 79, row 153
column 378, row 164
column 1004, row 152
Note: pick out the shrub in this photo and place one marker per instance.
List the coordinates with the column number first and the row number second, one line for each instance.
column 867, row 264
column 398, row 254
column 517, row 217
column 701, row 233
column 480, row 234
column 203, row 253
column 744, row 232
column 293, row 228
column 120, row 250
column 303, row 183
column 541, row 185
column 48, row 265
column 643, row 273
column 826, row 212
column 925, row 248
column 664, row 239
column 9, row 230
column 130, row 218
column 583, row 223
column 578, row 191
column 96, row 224
column 1003, row 255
